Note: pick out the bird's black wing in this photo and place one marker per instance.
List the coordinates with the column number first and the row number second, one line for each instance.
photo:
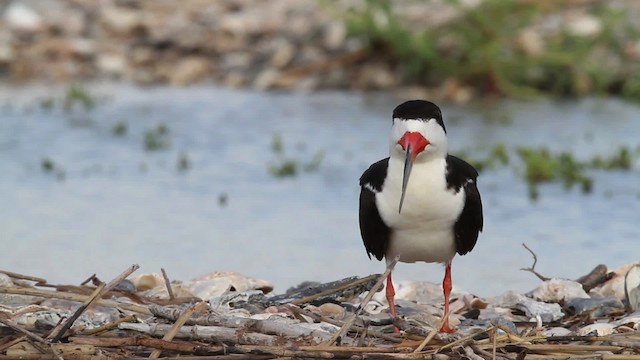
column 461, row 175
column 375, row 233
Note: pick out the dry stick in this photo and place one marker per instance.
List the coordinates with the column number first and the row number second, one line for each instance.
column 20, row 329
column 310, row 298
column 111, row 325
column 90, row 278
column 178, row 324
column 533, row 267
column 24, row 277
column 92, row 299
column 431, row 335
column 494, row 335
column 167, row 283
column 9, row 344
column 347, row 324
column 339, row 323
column 463, row 339
column 72, row 297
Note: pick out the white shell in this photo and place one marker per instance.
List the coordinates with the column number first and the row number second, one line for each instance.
column 557, row 290
column 599, row 329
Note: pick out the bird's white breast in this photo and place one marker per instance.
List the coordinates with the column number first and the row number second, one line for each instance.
column 424, row 229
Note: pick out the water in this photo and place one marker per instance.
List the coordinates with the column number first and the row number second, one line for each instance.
column 114, row 204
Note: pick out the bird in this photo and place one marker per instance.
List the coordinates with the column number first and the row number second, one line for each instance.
column 420, row 203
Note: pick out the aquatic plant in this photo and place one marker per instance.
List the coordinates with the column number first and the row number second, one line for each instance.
column 183, row 163
column 78, row 95
column 286, row 166
column 486, row 47
column 540, row 165
column 157, row 138
column 120, row 128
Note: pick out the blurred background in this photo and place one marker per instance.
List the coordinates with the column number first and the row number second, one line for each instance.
column 199, row 136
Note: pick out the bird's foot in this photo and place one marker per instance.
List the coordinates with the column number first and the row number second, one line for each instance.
column 446, row 329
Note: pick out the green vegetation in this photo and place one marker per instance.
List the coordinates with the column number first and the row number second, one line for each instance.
column 50, row 167
column 183, row 163
column 77, row 95
column 506, row 47
column 120, row 128
column 541, row 165
column 157, row 138
column 285, row 166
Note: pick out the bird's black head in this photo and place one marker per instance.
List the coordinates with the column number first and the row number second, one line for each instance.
column 419, row 110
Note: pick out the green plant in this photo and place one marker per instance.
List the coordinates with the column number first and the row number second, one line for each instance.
column 77, row 94
column 157, row 138
column 120, row 128
column 286, row 166
column 483, row 47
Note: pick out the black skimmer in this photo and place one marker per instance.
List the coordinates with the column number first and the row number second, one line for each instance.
column 441, row 214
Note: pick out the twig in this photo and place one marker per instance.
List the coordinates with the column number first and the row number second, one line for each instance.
column 532, row 268
column 339, row 323
column 431, row 334
column 310, row 298
column 90, row 278
column 24, row 277
column 178, row 324
column 109, row 326
column 101, row 289
column 595, row 277
column 167, row 283
column 22, row 330
column 72, row 297
column 347, row 324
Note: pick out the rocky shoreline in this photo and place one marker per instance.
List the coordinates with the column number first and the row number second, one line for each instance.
column 280, row 44
column 275, row 44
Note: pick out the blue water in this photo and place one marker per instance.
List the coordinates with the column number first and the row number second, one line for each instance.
column 109, row 203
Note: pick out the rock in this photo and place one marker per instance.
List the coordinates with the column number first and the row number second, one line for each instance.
column 190, row 70
column 120, row 20
column 532, row 309
column 530, row 42
column 584, row 25
column 265, row 79
column 111, row 64
column 19, row 16
column 82, row 46
column 283, row 55
column 145, row 282
column 598, row 307
column 5, row 280
column 333, row 311
column 334, row 36
column 558, row 290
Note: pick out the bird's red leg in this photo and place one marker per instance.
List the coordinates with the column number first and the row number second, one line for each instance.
column 446, row 287
column 391, row 293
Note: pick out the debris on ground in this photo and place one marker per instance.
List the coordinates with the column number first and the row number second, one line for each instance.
column 225, row 314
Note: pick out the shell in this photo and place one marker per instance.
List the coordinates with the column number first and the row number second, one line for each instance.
column 558, row 290
column 556, row 331
column 615, row 286
column 598, row 329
